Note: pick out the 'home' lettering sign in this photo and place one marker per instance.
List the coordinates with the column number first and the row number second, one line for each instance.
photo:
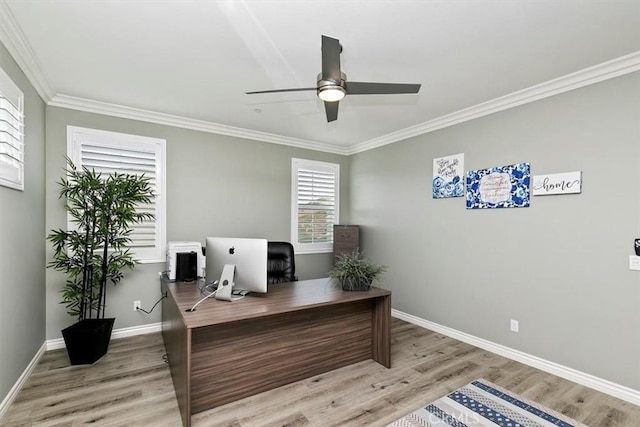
column 557, row 183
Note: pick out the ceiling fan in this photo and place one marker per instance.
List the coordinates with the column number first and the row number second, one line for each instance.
column 332, row 83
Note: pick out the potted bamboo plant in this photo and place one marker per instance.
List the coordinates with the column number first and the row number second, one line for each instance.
column 94, row 251
column 354, row 272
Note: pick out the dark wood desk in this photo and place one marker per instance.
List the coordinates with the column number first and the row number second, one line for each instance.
column 225, row 351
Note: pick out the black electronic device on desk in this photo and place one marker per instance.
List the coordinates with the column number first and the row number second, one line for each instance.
column 186, row 266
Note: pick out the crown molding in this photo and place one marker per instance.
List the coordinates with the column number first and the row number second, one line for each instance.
column 592, row 75
column 607, row 70
column 17, row 45
column 98, row 107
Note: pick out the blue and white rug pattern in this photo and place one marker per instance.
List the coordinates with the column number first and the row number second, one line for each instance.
column 481, row 403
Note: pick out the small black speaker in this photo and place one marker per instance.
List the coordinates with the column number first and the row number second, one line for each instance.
column 637, row 246
column 186, row 266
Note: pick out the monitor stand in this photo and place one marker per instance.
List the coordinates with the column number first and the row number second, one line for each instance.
column 225, row 285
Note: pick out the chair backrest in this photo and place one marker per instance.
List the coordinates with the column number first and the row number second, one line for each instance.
column 281, row 264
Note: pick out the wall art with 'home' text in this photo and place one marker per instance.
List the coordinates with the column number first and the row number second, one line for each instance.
column 557, row 183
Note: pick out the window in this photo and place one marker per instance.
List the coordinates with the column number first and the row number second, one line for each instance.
column 108, row 152
column 11, row 134
column 314, row 205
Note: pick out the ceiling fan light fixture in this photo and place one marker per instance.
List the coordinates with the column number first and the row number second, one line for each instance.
column 332, row 86
column 331, row 93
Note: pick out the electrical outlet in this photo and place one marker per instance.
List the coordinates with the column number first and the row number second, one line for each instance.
column 515, row 325
column 634, row 262
column 136, row 305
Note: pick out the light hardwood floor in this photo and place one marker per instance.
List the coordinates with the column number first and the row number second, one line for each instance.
column 131, row 386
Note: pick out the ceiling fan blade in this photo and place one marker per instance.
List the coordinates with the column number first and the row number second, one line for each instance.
column 300, row 89
column 331, row 59
column 332, row 110
column 365, row 88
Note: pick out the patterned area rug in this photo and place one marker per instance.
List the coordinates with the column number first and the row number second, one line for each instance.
column 481, row 403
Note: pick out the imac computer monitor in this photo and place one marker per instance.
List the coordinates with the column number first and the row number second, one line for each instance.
column 248, row 255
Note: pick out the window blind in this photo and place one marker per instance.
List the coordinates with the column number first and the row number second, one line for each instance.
column 11, row 134
column 315, row 205
column 109, row 152
column 108, row 160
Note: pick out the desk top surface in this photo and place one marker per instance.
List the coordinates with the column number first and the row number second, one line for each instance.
column 281, row 298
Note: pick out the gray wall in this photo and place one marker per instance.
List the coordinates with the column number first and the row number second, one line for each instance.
column 216, row 186
column 22, row 260
column 560, row 267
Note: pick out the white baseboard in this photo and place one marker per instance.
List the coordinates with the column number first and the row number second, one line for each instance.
column 57, row 343
column 20, row 383
column 588, row 380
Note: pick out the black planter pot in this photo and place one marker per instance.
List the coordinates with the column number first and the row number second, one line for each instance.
column 88, row 340
column 352, row 284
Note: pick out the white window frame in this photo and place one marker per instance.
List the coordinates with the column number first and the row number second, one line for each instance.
column 12, row 129
column 77, row 136
column 312, row 165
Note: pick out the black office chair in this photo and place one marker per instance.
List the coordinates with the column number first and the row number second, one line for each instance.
column 281, row 263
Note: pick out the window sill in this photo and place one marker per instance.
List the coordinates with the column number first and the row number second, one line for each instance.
column 312, row 251
column 151, row 261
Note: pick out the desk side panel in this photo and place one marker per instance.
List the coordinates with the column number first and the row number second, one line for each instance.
column 381, row 338
column 177, row 343
column 243, row 358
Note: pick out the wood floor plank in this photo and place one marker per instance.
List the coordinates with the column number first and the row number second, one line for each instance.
column 131, row 386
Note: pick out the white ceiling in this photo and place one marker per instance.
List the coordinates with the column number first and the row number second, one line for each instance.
column 195, row 59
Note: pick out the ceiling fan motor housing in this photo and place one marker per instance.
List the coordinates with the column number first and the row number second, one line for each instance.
column 330, row 90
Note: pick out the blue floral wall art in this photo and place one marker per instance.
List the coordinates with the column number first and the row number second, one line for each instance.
column 499, row 187
column 448, row 175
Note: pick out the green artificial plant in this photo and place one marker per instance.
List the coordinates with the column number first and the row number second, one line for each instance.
column 355, row 272
column 102, row 209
